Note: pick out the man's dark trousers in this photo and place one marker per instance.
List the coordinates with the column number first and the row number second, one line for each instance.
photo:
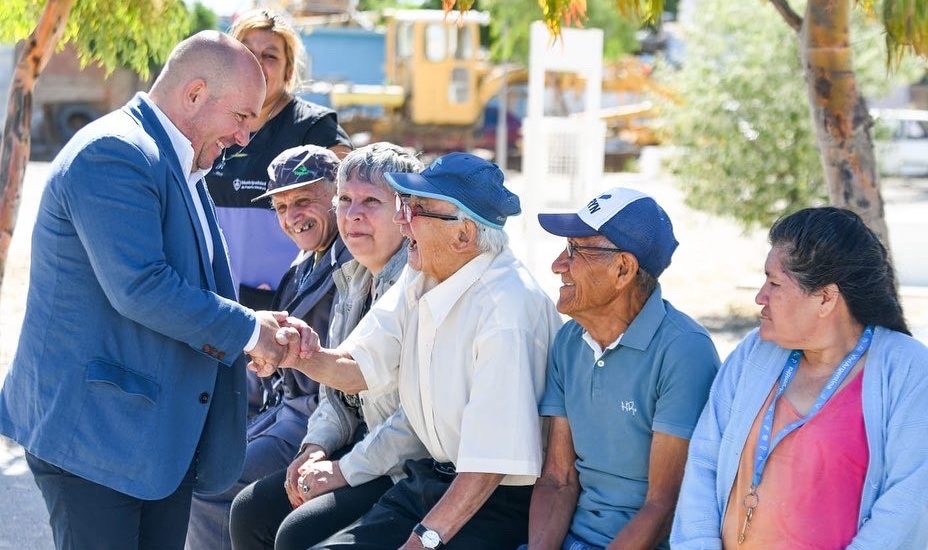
column 86, row 515
column 500, row 524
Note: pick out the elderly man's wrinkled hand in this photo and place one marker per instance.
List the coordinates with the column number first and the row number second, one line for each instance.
column 320, row 478
column 301, row 340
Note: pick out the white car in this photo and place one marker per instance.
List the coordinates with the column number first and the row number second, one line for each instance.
column 901, row 142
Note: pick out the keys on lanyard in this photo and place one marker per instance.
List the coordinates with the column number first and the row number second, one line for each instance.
column 749, row 502
column 766, row 443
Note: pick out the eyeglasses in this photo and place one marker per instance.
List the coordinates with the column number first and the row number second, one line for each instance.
column 573, row 248
column 403, row 206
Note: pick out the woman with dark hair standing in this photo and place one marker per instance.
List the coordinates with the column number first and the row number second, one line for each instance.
column 816, row 430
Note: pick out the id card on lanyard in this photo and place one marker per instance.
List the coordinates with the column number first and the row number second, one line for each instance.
column 767, row 441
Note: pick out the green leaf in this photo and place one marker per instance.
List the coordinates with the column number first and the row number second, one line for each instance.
column 744, row 124
column 133, row 33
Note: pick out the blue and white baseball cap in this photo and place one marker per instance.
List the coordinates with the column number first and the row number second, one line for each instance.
column 472, row 184
column 630, row 220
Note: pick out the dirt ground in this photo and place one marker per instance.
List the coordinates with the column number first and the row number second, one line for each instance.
column 714, row 275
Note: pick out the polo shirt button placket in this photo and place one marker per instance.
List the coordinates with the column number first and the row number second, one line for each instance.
column 600, row 363
column 204, row 397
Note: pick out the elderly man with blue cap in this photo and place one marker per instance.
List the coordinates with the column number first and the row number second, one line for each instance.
column 627, row 379
column 465, row 334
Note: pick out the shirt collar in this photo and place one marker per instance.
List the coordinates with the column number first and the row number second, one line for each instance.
column 442, row 297
column 594, row 345
column 638, row 335
column 179, row 142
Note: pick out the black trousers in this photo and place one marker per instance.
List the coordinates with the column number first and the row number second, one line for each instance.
column 501, row 524
column 84, row 514
column 263, row 519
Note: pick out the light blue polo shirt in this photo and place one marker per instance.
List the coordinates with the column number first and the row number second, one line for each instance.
column 656, row 379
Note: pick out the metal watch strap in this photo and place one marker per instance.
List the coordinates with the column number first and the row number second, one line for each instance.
column 427, row 536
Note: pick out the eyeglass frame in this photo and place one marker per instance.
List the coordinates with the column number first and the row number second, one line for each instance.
column 402, row 206
column 572, row 248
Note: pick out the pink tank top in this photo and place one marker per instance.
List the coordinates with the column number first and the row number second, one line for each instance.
column 812, row 484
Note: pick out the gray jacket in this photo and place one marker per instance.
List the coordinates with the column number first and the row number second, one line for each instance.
column 333, row 424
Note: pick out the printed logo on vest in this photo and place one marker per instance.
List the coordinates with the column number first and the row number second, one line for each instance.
column 252, row 185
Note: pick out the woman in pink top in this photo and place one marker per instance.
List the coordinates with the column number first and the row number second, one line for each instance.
column 815, row 433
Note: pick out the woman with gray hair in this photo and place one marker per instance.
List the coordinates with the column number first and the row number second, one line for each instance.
column 814, row 433
column 295, row 508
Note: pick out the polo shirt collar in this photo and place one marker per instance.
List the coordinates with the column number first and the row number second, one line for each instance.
column 639, row 334
column 594, row 345
column 446, row 294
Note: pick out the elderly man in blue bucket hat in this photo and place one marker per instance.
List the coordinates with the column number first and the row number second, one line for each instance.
column 465, row 334
column 627, row 379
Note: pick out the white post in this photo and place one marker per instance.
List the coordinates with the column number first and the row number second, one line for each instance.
column 577, row 155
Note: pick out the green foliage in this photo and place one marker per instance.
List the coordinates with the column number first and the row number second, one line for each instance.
column 749, row 149
column 906, row 23
column 202, row 19
column 131, row 33
column 510, row 19
column 18, row 18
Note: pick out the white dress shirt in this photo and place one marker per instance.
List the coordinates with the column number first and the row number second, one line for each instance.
column 184, row 151
column 469, row 357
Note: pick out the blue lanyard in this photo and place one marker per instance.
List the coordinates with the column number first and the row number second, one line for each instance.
column 764, row 443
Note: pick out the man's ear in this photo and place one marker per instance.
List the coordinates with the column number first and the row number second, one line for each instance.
column 627, row 269
column 195, row 94
column 466, row 236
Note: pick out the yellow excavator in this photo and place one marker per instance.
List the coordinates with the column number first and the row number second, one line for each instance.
column 438, row 84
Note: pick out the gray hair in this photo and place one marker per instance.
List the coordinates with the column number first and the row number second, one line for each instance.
column 645, row 283
column 490, row 240
column 369, row 163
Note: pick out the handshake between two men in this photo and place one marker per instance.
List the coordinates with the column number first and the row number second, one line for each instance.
column 283, row 342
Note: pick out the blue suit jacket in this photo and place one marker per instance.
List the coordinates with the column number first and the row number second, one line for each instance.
column 130, row 357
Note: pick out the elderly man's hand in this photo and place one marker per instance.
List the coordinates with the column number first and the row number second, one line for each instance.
column 300, row 464
column 301, row 340
column 320, row 478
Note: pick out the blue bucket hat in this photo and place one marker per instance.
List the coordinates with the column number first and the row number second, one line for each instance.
column 466, row 181
column 299, row 166
column 630, row 220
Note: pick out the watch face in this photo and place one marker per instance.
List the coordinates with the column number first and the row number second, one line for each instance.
column 430, row 539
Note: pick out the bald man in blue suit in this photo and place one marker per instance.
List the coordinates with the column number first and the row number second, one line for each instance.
column 128, row 386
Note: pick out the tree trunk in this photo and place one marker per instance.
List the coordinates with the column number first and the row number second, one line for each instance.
column 840, row 115
column 14, row 149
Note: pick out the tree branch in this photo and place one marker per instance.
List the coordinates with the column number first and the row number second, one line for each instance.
column 791, row 17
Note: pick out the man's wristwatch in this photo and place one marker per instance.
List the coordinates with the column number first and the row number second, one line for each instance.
column 429, row 539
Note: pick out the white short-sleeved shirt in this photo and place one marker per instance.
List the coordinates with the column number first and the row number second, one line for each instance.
column 469, row 358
